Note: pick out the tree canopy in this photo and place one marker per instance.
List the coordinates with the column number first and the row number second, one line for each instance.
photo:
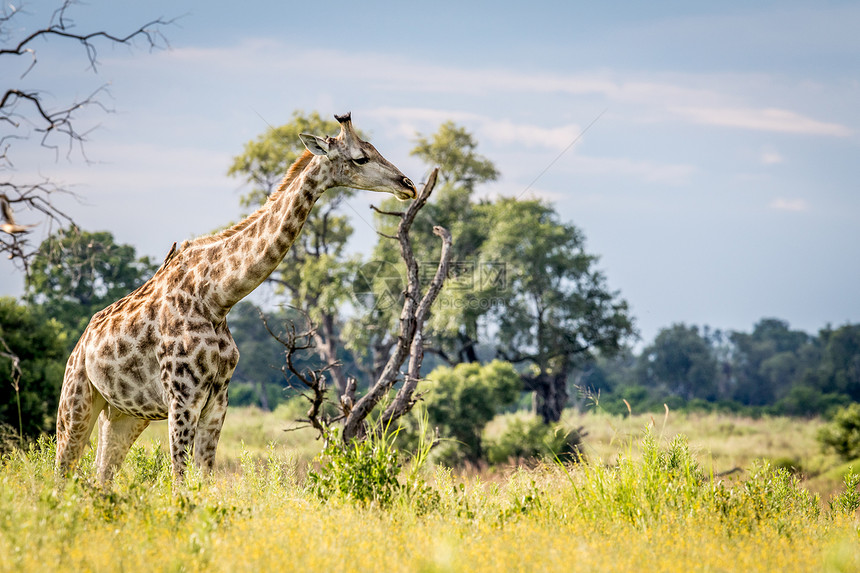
column 463, row 399
column 77, row 273
column 37, row 343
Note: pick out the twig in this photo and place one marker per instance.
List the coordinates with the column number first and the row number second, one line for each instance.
column 16, row 381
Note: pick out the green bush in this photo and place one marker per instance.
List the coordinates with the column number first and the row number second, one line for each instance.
column 528, row 438
column 39, row 344
column 848, row 501
column 363, row 471
column 461, row 401
column 808, row 401
column 842, row 434
column 369, row 472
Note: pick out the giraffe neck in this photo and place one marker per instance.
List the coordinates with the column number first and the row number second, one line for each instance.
column 239, row 259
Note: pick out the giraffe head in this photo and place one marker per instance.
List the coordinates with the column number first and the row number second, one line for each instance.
column 356, row 163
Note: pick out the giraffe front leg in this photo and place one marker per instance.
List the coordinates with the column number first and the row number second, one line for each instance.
column 212, row 419
column 209, row 430
column 182, row 428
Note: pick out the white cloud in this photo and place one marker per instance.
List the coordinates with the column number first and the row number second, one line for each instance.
column 406, row 122
column 767, row 119
column 793, row 205
column 531, row 135
column 409, row 121
column 769, row 157
column 696, row 98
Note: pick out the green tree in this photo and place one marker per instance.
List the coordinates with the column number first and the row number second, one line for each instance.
column 554, row 310
column 680, row 361
column 463, row 399
column 605, row 380
column 517, row 272
column 454, row 151
column 316, row 274
column 39, row 344
column 839, row 370
column 258, row 379
column 77, row 273
column 767, row 362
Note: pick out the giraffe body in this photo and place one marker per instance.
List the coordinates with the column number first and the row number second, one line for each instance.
column 164, row 351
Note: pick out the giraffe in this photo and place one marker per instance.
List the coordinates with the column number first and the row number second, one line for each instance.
column 164, row 351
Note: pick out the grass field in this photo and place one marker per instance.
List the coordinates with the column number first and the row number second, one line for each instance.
column 644, row 500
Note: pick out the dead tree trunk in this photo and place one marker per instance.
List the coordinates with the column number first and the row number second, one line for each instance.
column 410, row 341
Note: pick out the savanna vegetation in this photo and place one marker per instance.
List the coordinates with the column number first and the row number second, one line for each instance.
column 646, row 497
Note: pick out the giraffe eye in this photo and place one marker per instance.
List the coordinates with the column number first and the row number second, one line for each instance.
column 361, row 160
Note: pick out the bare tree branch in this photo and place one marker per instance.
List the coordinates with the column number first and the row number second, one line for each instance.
column 149, row 31
column 24, row 112
column 34, row 197
column 16, row 381
column 392, row 213
column 412, row 317
column 404, row 400
column 313, row 380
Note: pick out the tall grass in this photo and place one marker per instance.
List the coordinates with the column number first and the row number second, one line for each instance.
column 657, row 508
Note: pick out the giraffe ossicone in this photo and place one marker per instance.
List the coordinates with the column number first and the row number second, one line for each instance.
column 164, row 351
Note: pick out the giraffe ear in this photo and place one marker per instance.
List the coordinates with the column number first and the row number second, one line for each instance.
column 316, row 145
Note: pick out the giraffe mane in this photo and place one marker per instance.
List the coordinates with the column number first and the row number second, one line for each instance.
column 292, row 173
column 297, row 167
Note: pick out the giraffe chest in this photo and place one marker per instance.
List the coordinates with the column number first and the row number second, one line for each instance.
column 140, row 365
column 130, row 382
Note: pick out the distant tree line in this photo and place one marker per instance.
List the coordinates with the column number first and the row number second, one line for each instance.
column 773, row 370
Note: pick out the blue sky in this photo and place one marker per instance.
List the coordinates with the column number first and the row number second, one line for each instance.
column 719, row 183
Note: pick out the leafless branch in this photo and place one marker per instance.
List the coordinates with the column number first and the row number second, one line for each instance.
column 24, row 112
column 412, row 317
column 381, row 212
column 313, row 380
column 16, row 381
column 29, row 197
column 16, row 363
column 392, row 237
column 60, row 26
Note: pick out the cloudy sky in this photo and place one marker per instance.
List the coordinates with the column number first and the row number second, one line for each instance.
column 710, row 154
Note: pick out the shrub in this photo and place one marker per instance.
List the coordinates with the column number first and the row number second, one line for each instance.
column 849, row 500
column 463, row 399
column 842, row 435
column 363, row 471
column 527, row 438
column 369, row 472
column 805, row 400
